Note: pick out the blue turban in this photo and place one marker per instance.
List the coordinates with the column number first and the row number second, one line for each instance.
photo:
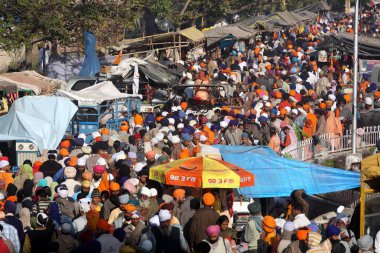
column 181, row 114
column 234, row 123
column 263, row 119
column 332, row 230
column 215, row 127
column 273, row 111
column 245, row 135
column 186, row 137
column 149, row 118
column 78, row 142
column 240, row 116
column 252, row 116
column 250, row 61
column 373, row 86
column 292, row 86
column 165, row 122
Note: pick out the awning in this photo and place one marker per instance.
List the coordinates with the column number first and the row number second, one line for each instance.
column 8, row 87
column 192, row 33
column 278, row 177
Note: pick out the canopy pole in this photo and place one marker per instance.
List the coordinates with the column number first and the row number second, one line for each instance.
column 355, row 92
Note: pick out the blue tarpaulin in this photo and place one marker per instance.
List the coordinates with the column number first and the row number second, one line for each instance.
column 260, row 150
column 91, row 65
column 278, row 177
column 40, row 119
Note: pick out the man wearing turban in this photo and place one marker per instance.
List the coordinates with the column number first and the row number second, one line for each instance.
column 203, row 218
column 216, row 242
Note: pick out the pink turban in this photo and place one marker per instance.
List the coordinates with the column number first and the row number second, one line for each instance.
column 130, row 187
column 38, row 176
column 283, row 124
column 213, row 230
column 99, row 169
column 150, row 155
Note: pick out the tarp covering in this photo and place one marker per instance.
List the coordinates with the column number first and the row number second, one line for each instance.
column 368, row 47
column 279, row 19
column 8, row 87
column 91, row 65
column 240, row 150
column 40, row 119
column 192, row 33
column 31, row 80
column 153, row 71
column 238, row 31
column 278, row 177
column 315, row 7
column 95, row 94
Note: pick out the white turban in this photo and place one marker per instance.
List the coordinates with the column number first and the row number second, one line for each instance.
column 82, row 161
column 153, row 192
column 223, row 124
column 164, row 215
column 70, row 172
column 160, row 136
column 145, row 191
column 154, row 220
column 138, row 167
column 368, row 101
column 85, row 205
column 295, row 111
column 203, row 138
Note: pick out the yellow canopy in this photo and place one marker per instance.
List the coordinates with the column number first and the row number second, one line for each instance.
column 370, row 167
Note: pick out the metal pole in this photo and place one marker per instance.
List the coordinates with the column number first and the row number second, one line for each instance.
column 355, row 93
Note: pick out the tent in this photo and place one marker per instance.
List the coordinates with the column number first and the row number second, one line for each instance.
column 278, row 177
column 31, row 80
column 95, row 94
column 152, row 70
column 238, row 31
column 315, row 7
column 368, row 47
column 40, row 119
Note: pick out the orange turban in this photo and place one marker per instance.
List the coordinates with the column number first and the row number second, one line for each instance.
column 322, row 105
column 208, row 199
column 103, row 225
column 150, row 155
column 65, row 144
column 124, row 126
column 202, row 65
column 278, row 94
column 129, row 208
column 36, row 166
column 92, row 219
column 73, row 161
column 114, row 186
column 292, row 93
column 158, row 118
column 105, row 131
column 311, row 92
column 268, row 67
column 306, row 107
column 377, row 94
column 87, row 176
column 283, row 111
column 185, row 153
column 179, row 193
column 64, row 152
column 302, row 233
column 347, row 98
column 184, row 105
column 139, row 120
column 269, row 224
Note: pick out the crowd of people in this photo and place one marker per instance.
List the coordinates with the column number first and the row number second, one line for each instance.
column 93, row 194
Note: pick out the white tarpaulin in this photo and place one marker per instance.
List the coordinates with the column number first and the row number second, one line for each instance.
column 95, row 94
column 40, row 119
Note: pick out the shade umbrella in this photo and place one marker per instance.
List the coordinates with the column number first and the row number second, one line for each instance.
column 202, row 172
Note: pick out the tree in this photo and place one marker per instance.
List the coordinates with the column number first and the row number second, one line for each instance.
column 24, row 22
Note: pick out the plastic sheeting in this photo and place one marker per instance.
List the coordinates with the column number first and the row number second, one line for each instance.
column 242, row 150
column 278, row 177
column 91, row 64
column 95, row 94
column 40, row 119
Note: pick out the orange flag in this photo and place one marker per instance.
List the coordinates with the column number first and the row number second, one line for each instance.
column 118, row 58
